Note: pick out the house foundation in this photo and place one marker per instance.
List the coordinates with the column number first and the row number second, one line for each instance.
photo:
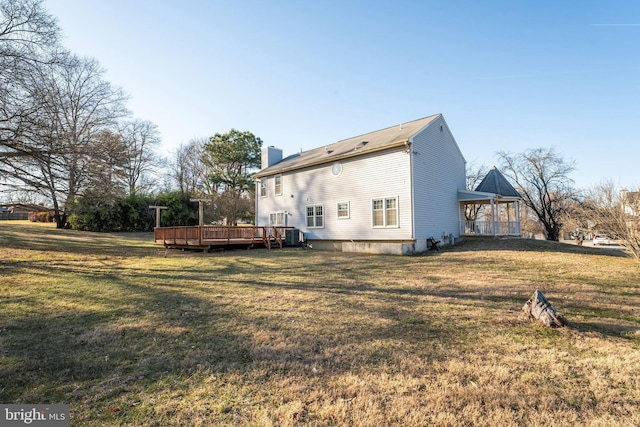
column 372, row 247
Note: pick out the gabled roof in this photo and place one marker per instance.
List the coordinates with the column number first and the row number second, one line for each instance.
column 24, row 207
column 494, row 182
column 383, row 139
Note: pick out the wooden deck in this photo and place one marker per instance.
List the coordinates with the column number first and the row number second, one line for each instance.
column 207, row 236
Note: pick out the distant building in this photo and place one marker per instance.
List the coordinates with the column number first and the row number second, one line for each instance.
column 18, row 211
column 23, row 208
column 630, row 201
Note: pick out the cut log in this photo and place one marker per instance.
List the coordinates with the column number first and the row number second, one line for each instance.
column 539, row 308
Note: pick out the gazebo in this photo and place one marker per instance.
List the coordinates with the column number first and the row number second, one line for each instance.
column 492, row 209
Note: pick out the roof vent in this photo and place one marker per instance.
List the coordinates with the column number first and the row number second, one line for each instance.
column 360, row 144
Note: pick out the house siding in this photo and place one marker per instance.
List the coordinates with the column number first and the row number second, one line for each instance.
column 438, row 174
column 376, row 175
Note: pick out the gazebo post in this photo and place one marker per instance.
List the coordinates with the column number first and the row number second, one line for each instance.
column 493, row 218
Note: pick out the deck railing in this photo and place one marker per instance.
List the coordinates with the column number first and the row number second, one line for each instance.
column 215, row 235
column 490, row 228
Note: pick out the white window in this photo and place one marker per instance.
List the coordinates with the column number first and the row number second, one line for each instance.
column 385, row 212
column 276, row 219
column 263, row 187
column 343, row 210
column 315, row 216
column 278, row 185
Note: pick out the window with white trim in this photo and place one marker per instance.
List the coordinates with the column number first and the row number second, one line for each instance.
column 315, row 216
column 343, row 210
column 276, row 219
column 263, row 187
column 278, row 185
column 385, row 212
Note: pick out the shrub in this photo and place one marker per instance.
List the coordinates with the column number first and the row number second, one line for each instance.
column 41, row 216
column 181, row 210
column 91, row 213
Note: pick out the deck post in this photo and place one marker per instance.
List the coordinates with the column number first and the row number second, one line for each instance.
column 158, row 209
column 200, row 210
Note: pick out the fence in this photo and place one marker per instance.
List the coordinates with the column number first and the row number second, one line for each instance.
column 13, row 216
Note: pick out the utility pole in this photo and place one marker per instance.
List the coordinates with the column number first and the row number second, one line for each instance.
column 158, row 209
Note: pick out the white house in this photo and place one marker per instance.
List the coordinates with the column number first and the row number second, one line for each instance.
column 387, row 191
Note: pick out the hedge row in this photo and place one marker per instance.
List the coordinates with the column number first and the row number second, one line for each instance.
column 90, row 213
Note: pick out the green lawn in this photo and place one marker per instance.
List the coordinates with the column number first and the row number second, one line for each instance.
column 129, row 333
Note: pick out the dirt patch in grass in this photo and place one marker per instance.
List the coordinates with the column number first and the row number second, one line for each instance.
column 129, row 334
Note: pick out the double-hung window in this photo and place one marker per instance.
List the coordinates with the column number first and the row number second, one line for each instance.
column 263, row 187
column 278, row 185
column 276, row 219
column 343, row 210
column 385, row 212
column 315, row 216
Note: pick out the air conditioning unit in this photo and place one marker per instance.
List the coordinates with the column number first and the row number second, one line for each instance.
column 293, row 237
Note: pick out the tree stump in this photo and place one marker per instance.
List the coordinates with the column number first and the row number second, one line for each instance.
column 539, row 308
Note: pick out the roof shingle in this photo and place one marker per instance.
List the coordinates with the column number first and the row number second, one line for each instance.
column 494, row 182
column 355, row 146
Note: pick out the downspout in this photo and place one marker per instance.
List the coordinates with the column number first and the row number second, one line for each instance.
column 256, row 196
column 407, row 144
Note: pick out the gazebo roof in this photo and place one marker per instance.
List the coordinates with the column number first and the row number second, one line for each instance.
column 494, row 182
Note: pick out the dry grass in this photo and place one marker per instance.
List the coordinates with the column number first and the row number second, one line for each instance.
column 130, row 334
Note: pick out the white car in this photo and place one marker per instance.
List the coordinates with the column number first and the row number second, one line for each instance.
column 601, row 239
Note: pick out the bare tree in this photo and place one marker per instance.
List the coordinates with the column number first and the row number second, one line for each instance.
column 28, row 39
column 616, row 212
column 475, row 174
column 108, row 176
column 228, row 207
column 188, row 169
column 75, row 105
column 140, row 139
column 542, row 178
column 26, row 28
column 58, row 118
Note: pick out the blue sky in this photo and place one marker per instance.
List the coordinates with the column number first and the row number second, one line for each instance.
column 507, row 76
